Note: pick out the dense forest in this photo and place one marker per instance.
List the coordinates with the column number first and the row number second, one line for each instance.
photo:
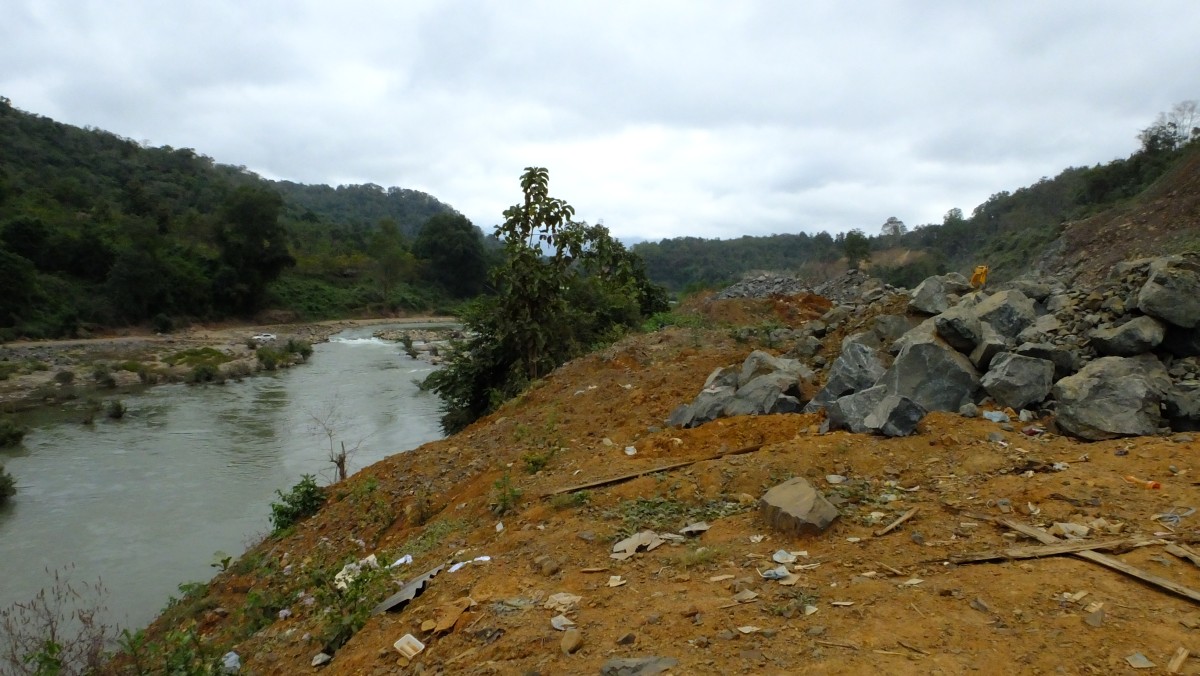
column 99, row 230
column 1008, row 231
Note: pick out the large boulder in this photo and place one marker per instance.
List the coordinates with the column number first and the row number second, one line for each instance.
column 763, row 394
column 890, row 327
column 959, row 327
column 857, row 368
column 1040, row 329
column 934, row 375
column 710, row 404
column 925, row 332
column 723, row 376
column 1112, row 397
column 1138, row 335
column 1066, row 360
column 759, row 363
column 1017, row 381
column 894, row 416
column 1182, row 407
column 849, row 412
column 1009, row 312
column 990, row 344
column 929, row 297
column 1172, row 291
column 796, row 508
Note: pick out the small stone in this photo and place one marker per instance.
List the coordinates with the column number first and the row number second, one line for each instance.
column 1095, row 618
column 572, row 641
column 726, row 635
column 653, row 618
column 769, row 633
column 630, row 637
column 816, row 630
column 701, row 642
column 550, row 567
column 321, row 658
column 587, row 536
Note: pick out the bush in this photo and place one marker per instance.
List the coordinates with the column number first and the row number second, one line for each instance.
column 64, row 377
column 8, row 486
column 59, row 631
column 269, row 358
column 300, row 347
column 11, row 433
column 103, row 376
column 202, row 373
column 115, row 410
column 301, row 502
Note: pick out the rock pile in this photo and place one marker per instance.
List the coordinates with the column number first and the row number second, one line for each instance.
column 1122, row 359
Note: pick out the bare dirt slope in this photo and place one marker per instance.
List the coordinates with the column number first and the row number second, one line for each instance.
column 863, row 602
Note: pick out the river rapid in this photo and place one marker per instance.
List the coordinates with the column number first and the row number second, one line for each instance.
column 144, row 503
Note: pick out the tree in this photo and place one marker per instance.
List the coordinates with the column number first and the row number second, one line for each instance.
column 893, row 227
column 561, row 287
column 253, row 247
column 453, row 247
column 856, row 247
column 394, row 263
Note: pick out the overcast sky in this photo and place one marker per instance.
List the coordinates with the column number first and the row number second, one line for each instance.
column 663, row 119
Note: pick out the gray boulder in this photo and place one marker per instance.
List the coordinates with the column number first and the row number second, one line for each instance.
column 681, row 416
column 990, row 344
column 1017, row 381
column 806, row 346
column 1036, row 289
column 895, row 416
column 933, row 375
column 856, row 369
column 890, row 327
column 925, row 332
column 724, row 376
column 1009, row 312
column 1172, row 291
column 850, row 411
column 759, row 363
column 796, row 508
column 864, row 338
column 959, row 327
column 1066, row 361
column 1182, row 407
column 1040, row 330
column 710, row 404
column 1138, row 335
column 1112, row 397
column 763, row 392
column 929, row 297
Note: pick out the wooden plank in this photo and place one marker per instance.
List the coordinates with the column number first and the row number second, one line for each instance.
column 1184, row 552
column 1176, row 663
column 1051, row 550
column 1106, row 561
column 633, row 475
column 892, row 526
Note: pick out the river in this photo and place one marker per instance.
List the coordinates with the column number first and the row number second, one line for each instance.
column 145, row 502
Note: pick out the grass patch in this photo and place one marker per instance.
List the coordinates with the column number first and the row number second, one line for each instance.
column 198, row 356
column 661, row 514
column 432, row 536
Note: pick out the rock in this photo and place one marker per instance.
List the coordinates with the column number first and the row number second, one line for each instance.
column 856, row 369
column 1182, row 342
column 231, row 663
column 1009, row 312
column 1066, row 361
column 762, row 392
column 805, row 347
column 932, row 375
column 1134, row 337
column 850, row 411
column 681, row 416
column 710, row 404
column 991, row 343
column 1040, row 330
column 759, row 363
column 1172, row 291
column 1017, row 381
column 724, row 376
column 925, row 332
column 1182, row 407
column 637, row 666
column 929, row 297
column 959, row 327
column 571, row 642
column 864, row 338
column 547, row 565
column 797, row 508
column 895, row 416
column 969, row 410
column 1035, row 289
column 1112, row 397
column 321, row 658
column 627, row 638
column 890, row 327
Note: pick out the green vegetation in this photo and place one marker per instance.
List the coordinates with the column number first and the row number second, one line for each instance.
column 432, row 535
column 301, row 502
column 505, row 495
column 8, row 485
column 11, row 433
column 662, row 514
column 196, row 356
column 562, row 288
column 100, row 230
column 115, row 409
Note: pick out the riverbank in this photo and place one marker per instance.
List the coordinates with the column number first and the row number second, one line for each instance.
column 50, row 372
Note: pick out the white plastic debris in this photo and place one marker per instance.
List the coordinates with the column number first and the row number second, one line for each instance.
column 462, row 564
column 630, row 450
column 409, row 646
column 351, row 571
column 783, row 556
column 321, row 658
column 285, row 613
column 402, row 561
column 499, row 526
column 835, row 479
column 561, row 622
column 231, row 662
column 777, row 573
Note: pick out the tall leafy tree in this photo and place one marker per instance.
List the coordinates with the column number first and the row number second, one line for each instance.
column 253, row 247
column 857, row 248
column 453, row 250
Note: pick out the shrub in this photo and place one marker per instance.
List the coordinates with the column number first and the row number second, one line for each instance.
column 115, row 410
column 300, row 347
column 162, row 323
column 64, row 377
column 59, row 631
column 269, row 358
column 8, row 485
column 202, row 373
column 103, row 376
column 506, row 495
column 305, row 498
column 11, row 433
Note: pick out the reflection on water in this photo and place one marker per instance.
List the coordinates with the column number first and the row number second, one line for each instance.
column 144, row 502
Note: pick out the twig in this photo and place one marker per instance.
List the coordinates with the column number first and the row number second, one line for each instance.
column 913, row 648
column 633, row 475
column 840, row 644
column 892, row 526
column 893, row 571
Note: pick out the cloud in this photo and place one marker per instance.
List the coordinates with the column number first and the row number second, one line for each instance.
column 672, row 118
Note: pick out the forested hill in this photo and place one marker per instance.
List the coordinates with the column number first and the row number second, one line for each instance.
column 1080, row 209
column 99, row 230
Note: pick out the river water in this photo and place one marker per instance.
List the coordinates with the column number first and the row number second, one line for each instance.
column 145, row 502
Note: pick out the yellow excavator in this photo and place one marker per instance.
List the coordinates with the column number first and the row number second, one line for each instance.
column 979, row 279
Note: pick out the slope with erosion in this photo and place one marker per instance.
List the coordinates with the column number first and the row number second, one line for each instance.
column 863, row 602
